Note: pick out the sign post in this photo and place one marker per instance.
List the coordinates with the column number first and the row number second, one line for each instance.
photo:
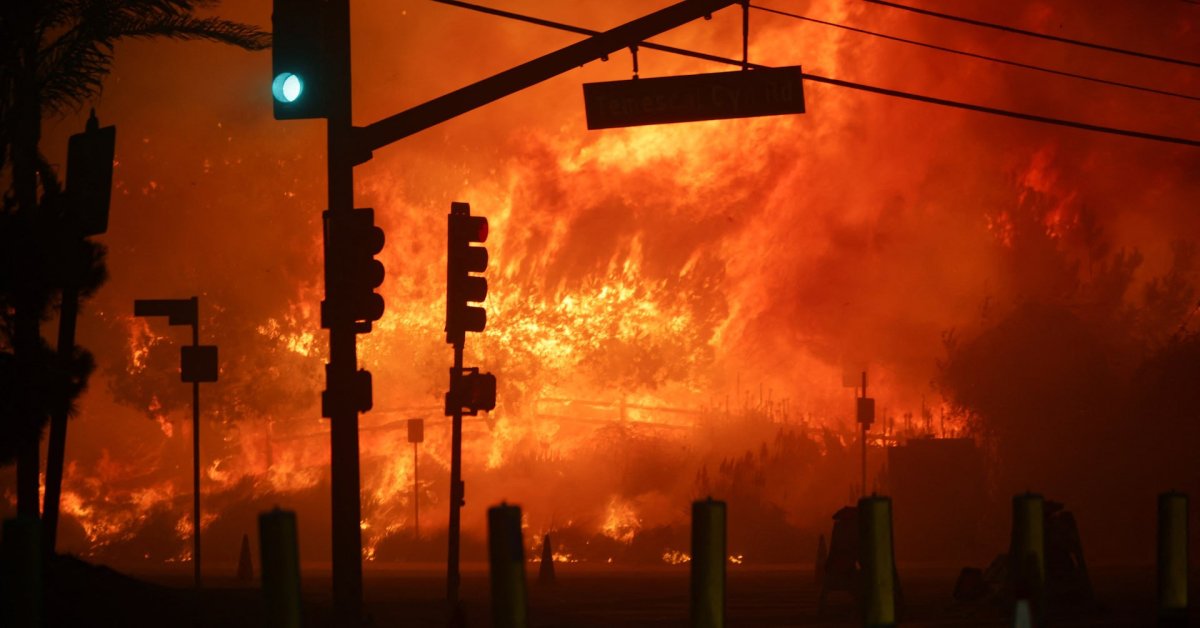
column 198, row 363
column 416, row 434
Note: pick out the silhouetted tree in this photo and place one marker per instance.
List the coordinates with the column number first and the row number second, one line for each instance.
column 54, row 55
column 1079, row 384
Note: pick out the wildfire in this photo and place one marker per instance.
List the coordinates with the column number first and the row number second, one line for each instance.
column 622, row 522
column 642, row 281
column 676, row 557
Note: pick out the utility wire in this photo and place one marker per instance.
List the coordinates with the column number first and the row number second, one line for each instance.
column 973, row 55
column 1020, row 31
column 838, row 82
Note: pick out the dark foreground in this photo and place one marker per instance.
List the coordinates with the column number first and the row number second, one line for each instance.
column 583, row 596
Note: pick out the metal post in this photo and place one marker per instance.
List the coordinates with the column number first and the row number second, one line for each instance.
column 456, row 487
column 864, row 440
column 343, row 361
column 707, row 609
column 280, row 561
column 1027, row 553
column 506, row 566
column 416, row 498
column 878, row 561
column 196, row 464
column 57, row 445
column 1172, row 560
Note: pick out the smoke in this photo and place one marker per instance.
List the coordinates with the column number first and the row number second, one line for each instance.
column 685, row 267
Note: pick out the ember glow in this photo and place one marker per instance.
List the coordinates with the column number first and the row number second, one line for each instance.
column 671, row 309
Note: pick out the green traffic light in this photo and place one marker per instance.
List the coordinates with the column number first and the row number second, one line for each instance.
column 287, row 87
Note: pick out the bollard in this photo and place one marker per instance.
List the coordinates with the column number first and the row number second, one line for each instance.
column 245, row 571
column 1027, row 552
column 21, row 573
column 1172, row 559
column 708, row 564
column 878, row 561
column 506, row 557
column 546, row 569
column 1022, row 616
column 280, row 564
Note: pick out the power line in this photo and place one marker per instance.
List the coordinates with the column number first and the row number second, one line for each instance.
column 1020, row 31
column 973, row 55
column 838, row 82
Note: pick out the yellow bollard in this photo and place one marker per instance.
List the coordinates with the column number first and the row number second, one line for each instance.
column 21, row 573
column 280, row 564
column 1022, row 616
column 506, row 557
column 878, row 561
column 708, row 564
column 1172, row 559
column 1027, row 552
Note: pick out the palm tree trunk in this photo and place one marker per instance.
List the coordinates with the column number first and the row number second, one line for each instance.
column 26, row 336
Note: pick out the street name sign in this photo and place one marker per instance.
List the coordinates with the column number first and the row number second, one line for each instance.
column 694, row 97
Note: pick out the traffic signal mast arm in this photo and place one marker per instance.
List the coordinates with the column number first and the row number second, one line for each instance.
column 438, row 110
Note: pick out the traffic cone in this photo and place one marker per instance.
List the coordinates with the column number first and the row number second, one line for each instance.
column 245, row 563
column 546, row 571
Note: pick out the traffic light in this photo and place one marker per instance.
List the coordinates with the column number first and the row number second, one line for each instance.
column 353, row 389
column 472, row 390
column 462, row 259
column 89, row 175
column 351, row 271
column 309, row 56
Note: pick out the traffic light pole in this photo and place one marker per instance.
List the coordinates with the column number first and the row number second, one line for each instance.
column 198, row 363
column 348, row 146
column 343, row 362
column 57, row 446
column 457, row 496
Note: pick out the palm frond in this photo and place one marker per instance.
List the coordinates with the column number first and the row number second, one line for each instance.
column 73, row 66
column 187, row 27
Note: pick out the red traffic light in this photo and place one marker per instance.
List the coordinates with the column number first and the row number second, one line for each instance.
column 351, row 271
column 471, row 392
column 462, row 259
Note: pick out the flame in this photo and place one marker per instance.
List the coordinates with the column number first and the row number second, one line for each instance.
column 676, row 557
column 622, row 522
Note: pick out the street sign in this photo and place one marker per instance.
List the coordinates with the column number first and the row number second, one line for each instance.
column 694, row 97
column 866, row 411
column 416, row 430
column 198, row 363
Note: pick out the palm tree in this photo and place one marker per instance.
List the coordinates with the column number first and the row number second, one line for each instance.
column 54, row 56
